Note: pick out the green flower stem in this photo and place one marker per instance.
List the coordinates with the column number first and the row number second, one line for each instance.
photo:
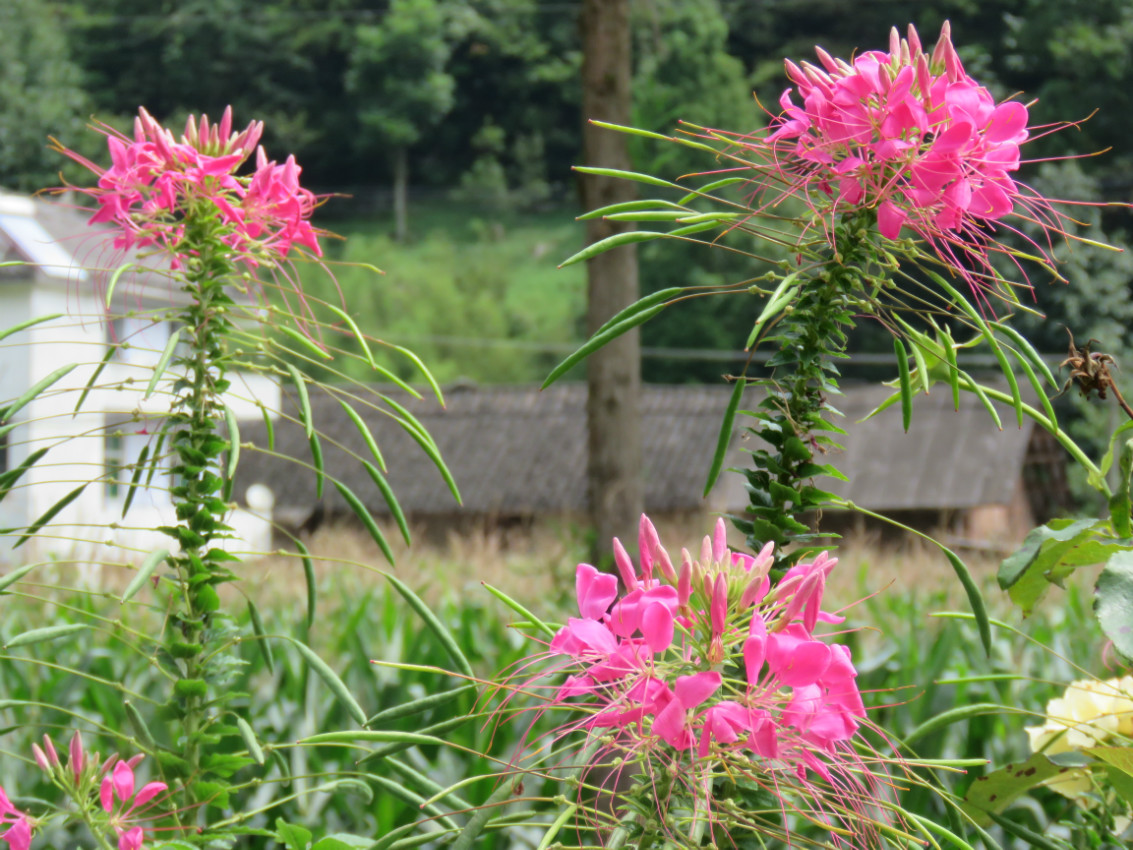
column 197, row 629
column 811, row 333
column 1058, row 433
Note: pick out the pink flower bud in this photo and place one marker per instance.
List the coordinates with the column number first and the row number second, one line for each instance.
column 76, row 754
column 720, row 542
column 49, row 748
column 40, row 758
column 625, row 566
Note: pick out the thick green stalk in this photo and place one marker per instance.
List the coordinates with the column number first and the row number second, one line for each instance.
column 197, row 629
column 793, row 418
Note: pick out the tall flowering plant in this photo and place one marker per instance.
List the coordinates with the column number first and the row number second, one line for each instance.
column 706, row 704
column 887, row 188
column 225, row 222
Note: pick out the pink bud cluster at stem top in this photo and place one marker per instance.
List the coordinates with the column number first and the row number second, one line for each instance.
column 157, row 184
column 709, row 659
column 909, row 135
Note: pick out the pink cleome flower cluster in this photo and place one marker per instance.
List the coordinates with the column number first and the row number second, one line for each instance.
column 910, row 135
column 157, row 184
column 655, row 659
column 124, row 807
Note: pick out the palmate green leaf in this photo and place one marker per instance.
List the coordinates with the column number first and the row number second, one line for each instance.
column 291, row 836
column 724, row 439
column 601, row 338
column 998, row 789
column 1114, row 607
column 1052, row 552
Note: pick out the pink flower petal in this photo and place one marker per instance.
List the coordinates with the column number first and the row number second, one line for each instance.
column 691, row 691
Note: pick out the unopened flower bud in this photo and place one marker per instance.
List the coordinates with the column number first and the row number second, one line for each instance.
column 76, row 755
column 40, row 758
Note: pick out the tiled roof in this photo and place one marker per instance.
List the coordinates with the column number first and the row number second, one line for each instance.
column 516, row 450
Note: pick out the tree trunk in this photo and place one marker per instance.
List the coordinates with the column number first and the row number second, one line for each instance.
column 613, row 375
column 400, row 194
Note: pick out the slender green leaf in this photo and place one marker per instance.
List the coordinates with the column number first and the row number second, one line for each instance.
column 630, row 206
column 711, row 187
column 627, row 175
column 391, row 501
column 309, row 576
column 305, row 341
column 332, row 681
column 1017, row 830
column 421, row 437
column 49, row 515
column 304, row 400
column 519, row 609
column 233, row 443
column 905, row 384
column 424, row 370
column 138, row 723
column 135, row 480
column 145, row 570
column 364, row 431
column 618, row 240
column 651, row 300
column 45, row 634
column 249, row 736
column 269, row 427
column 975, row 598
column 317, row 461
column 114, row 278
column 724, row 438
column 372, row 736
column 1026, row 351
column 954, row 715
column 479, row 819
column 953, row 366
column 556, row 825
column 110, row 349
column 358, row 335
column 11, row 577
column 23, row 326
column 156, row 455
column 8, row 479
column 782, row 295
column 599, row 340
column 363, row 514
column 433, row 622
column 34, row 391
column 262, row 641
column 420, row 705
column 163, row 361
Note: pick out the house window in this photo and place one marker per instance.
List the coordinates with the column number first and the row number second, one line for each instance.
column 115, row 462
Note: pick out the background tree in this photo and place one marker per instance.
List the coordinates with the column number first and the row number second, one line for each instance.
column 613, row 374
column 41, row 94
column 397, row 71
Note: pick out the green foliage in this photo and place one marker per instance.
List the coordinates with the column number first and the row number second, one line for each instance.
column 41, row 94
column 483, row 303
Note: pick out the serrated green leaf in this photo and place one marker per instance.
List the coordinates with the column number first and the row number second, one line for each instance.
column 1114, row 606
